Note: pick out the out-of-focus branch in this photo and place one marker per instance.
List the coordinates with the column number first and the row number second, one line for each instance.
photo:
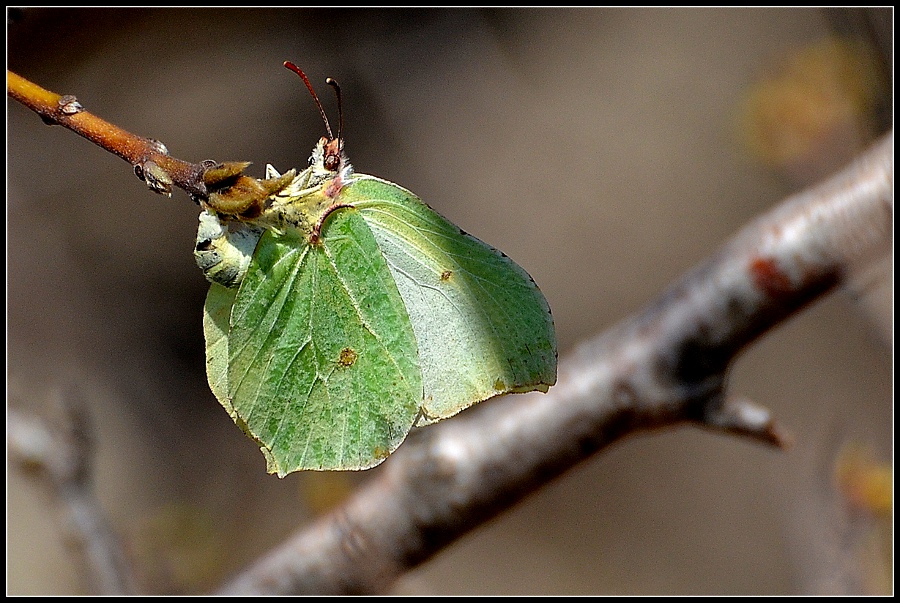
column 662, row 367
column 61, row 459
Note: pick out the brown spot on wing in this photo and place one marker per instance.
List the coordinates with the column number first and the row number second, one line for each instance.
column 348, row 357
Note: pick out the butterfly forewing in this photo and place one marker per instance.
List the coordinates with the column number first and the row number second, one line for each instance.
column 482, row 325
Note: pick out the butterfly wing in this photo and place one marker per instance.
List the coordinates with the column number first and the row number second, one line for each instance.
column 322, row 368
column 328, row 353
column 482, row 325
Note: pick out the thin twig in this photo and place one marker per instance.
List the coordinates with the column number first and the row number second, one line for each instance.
column 221, row 186
column 664, row 366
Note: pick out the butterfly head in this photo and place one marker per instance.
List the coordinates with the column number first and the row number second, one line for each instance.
column 328, row 160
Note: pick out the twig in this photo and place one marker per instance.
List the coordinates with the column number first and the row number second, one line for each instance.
column 221, row 186
column 61, row 459
column 664, row 366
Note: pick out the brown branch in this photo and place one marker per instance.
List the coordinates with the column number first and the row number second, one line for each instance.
column 60, row 458
column 664, row 366
column 221, row 186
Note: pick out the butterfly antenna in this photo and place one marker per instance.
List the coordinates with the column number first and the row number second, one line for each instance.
column 337, row 92
column 299, row 72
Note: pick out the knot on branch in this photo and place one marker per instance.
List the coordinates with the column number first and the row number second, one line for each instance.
column 157, row 179
column 69, row 105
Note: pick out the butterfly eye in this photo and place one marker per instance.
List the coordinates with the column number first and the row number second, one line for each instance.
column 332, row 155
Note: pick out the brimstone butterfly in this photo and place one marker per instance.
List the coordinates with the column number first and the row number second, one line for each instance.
column 348, row 311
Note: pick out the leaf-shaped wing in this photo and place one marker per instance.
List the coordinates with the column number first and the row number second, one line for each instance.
column 482, row 325
column 322, row 363
column 216, row 317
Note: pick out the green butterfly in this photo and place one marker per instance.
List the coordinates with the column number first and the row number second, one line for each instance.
column 349, row 311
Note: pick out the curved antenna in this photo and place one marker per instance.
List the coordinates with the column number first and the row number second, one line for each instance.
column 337, row 90
column 299, row 72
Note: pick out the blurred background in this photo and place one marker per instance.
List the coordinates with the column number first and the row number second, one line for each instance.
column 605, row 150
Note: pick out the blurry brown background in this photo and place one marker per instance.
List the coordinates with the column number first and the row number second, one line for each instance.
column 601, row 149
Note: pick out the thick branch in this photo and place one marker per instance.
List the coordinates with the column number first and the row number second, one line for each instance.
column 664, row 366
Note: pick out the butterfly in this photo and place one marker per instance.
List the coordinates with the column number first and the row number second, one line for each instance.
column 345, row 311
